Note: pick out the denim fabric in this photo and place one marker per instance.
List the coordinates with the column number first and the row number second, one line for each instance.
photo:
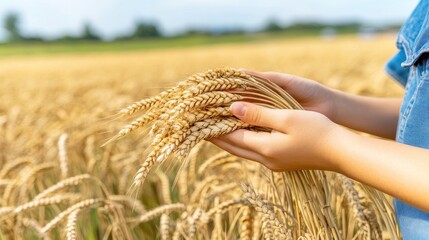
column 410, row 67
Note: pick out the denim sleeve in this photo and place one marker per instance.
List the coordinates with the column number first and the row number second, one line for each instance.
column 395, row 70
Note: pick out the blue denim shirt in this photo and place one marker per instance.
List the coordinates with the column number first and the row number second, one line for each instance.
column 410, row 67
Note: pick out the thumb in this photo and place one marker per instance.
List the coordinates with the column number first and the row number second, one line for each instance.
column 257, row 115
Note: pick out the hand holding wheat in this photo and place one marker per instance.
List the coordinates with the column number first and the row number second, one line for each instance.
column 300, row 140
column 198, row 109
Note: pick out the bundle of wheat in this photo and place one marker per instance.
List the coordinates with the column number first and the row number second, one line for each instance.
column 197, row 109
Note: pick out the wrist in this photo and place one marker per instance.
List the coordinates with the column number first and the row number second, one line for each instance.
column 333, row 100
column 334, row 148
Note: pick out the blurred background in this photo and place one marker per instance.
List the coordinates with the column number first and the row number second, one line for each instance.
column 57, row 26
column 68, row 67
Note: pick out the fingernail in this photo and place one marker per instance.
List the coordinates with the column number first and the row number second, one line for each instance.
column 238, row 109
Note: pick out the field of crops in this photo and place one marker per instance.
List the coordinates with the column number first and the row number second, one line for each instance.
column 57, row 110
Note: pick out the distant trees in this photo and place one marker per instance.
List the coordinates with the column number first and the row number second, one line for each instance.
column 12, row 21
column 88, row 33
column 145, row 30
column 311, row 27
column 11, row 24
column 149, row 30
column 142, row 30
column 273, row 26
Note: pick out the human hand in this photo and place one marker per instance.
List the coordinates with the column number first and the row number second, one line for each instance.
column 299, row 140
column 310, row 94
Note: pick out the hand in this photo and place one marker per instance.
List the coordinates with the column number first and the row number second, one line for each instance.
column 300, row 139
column 310, row 94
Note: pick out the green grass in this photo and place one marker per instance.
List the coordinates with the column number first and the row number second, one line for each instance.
column 48, row 48
column 42, row 48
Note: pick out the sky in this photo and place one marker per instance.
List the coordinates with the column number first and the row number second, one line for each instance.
column 53, row 18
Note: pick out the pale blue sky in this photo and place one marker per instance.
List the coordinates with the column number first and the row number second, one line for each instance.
column 111, row 17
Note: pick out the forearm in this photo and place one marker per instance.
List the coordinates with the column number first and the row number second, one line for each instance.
column 377, row 116
column 396, row 169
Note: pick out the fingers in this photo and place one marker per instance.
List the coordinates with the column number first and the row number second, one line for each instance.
column 249, row 140
column 237, row 151
column 259, row 116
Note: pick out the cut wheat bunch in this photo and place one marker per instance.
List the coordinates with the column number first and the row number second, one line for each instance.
column 197, row 109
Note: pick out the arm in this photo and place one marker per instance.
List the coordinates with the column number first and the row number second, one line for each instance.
column 309, row 140
column 377, row 116
column 396, row 169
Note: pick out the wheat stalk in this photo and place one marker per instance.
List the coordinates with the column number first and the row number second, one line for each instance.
column 68, row 182
column 272, row 226
column 78, row 206
column 41, row 202
column 165, row 209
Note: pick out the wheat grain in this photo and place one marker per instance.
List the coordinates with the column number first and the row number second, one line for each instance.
column 193, row 220
column 165, row 230
column 41, row 202
column 62, row 152
column 270, row 224
column 139, row 122
column 6, row 210
column 214, row 99
column 225, row 206
column 353, row 200
column 80, row 205
column 89, row 153
column 180, row 136
column 140, row 105
column 147, row 165
column 214, row 85
column 10, row 166
column 165, row 187
column 164, row 209
column 219, row 128
column 68, row 182
column 195, row 115
column 72, row 225
column 246, row 222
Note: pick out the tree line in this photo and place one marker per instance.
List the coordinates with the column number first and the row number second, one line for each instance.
column 14, row 32
column 148, row 30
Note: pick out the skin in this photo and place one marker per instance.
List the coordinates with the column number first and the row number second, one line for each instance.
column 316, row 138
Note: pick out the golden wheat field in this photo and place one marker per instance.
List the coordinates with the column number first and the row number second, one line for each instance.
column 57, row 182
